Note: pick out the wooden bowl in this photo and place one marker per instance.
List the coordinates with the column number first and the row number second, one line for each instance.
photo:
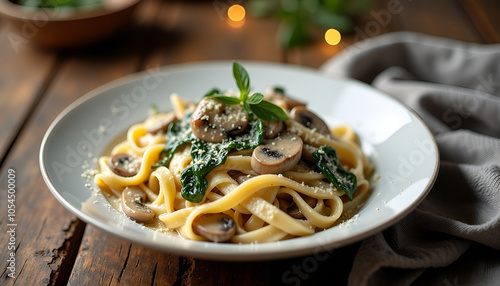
column 68, row 27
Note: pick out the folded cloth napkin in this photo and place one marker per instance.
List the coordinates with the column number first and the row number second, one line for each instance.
column 453, row 236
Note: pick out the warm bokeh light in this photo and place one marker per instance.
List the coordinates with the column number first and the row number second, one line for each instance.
column 332, row 37
column 234, row 24
column 236, row 13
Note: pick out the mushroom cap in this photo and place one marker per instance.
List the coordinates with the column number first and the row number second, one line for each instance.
column 276, row 94
column 159, row 122
column 133, row 206
column 213, row 121
column 277, row 155
column 215, row 227
column 234, row 119
column 273, row 128
column 309, row 120
column 124, row 164
column 307, row 152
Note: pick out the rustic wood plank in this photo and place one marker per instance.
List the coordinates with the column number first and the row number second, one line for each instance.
column 444, row 18
column 485, row 15
column 47, row 232
column 440, row 18
column 368, row 24
column 199, row 31
column 196, row 26
column 44, row 232
column 26, row 71
column 176, row 37
column 104, row 259
column 324, row 266
column 48, row 236
column 207, row 272
column 113, row 261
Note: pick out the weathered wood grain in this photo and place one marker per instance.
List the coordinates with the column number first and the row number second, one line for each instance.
column 46, row 231
column 485, row 16
column 438, row 18
column 104, row 259
column 25, row 74
column 115, row 261
column 53, row 246
column 98, row 252
column 371, row 23
column 44, row 235
column 230, row 273
column 198, row 31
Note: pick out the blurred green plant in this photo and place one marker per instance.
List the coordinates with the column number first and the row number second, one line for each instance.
column 57, row 3
column 297, row 17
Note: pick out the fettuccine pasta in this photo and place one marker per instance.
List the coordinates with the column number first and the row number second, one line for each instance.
column 247, row 202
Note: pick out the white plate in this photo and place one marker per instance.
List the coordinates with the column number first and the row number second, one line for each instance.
column 396, row 140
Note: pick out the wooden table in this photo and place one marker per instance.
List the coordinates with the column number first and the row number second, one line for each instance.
column 52, row 245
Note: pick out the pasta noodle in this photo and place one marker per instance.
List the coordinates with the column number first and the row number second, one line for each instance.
column 263, row 207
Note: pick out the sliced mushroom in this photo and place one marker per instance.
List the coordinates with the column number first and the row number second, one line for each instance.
column 133, row 206
column 309, row 120
column 294, row 210
column 307, row 151
column 125, row 165
column 278, row 94
column 159, row 122
column 273, row 128
column 213, row 121
column 277, row 155
column 215, row 227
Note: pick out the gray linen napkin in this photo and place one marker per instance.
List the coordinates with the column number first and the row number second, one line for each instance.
column 453, row 237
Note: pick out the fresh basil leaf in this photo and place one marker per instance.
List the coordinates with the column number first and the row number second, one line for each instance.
column 212, row 92
column 246, row 106
column 242, row 80
column 327, row 161
column 256, row 98
column 225, row 99
column 268, row 111
column 153, row 109
column 279, row 89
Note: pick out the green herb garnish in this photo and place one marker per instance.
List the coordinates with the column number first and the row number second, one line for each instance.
column 279, row 89
column 242, row 80
column 253, row 105
column 327, row 161
column 153, row 110
column 206, row 156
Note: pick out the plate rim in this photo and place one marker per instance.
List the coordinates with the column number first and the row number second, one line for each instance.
column 239, row 255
